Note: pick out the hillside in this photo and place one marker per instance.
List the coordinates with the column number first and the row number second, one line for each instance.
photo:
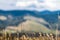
column 14, row 17
column 31, row 26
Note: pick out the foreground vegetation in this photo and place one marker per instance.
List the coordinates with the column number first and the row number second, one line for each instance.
column 28, row 36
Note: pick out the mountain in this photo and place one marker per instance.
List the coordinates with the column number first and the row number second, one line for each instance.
column 47, row 15
column 16, row 17
column 30, row 25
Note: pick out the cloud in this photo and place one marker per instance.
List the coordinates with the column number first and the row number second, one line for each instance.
column 38, row 5
column 7, row 4
column 26, row 3
column 30, row 4
column 52, row 4
column 3, row 18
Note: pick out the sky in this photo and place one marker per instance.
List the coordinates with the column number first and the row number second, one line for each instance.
column 38, row 5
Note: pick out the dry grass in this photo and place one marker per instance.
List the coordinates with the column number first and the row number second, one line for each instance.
column 28, row 38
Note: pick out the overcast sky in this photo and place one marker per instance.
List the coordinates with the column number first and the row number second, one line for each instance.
column 30, row 5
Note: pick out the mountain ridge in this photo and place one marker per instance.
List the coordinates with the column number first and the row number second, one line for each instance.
column 17, row 15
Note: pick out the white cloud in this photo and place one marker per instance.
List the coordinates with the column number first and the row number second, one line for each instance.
column 3, row 18
column 7, row 4
column 36, row 5
column 30, row 4
column 27, row 3
column 52, row 4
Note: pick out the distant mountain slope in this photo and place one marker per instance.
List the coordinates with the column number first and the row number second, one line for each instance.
column 14, row 17
column 31, row 26
column 47, row 15
column 34, row 26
